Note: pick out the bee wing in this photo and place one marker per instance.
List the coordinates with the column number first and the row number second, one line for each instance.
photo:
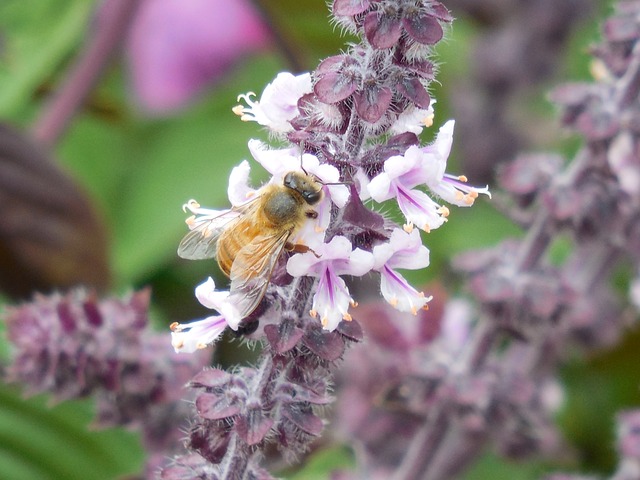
column 252, row 269
column 201, row 242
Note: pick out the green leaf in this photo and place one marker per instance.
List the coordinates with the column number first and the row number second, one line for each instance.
column 36, row 35
column 53, row 443
column 322, row 463
column 98, row 154
column 490, row 467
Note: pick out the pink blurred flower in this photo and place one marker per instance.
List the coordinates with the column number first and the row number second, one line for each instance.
column 176, row 48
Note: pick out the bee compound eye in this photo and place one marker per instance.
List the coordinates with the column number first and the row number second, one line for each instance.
column 289, row 181
column 312, row 197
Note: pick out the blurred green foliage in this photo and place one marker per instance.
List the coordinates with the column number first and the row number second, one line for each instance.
column 39, row 441
column 140, row 171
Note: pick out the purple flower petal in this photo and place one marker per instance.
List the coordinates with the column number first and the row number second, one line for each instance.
column 215, row 407
column 423, row 28
column 334, row 87
column 382, row 30
column 413, row 90
column 327, row 345
column 306, row 421
column 439, row 11
column 350, row 7
column 372, row 102
column 253, row 426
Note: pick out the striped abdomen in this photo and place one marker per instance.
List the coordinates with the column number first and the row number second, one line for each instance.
column 231, row 242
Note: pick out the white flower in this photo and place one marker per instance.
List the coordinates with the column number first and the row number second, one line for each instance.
column 361, row 182
column 278, row 104
column 451, row 188
column 208, row 296
column 192, row 336
column 424, row 166
column 413, row 120
column 214, row 218
column 401, row 174
column 622, row 157
column 239, row 191
column 404, row 250
column 332, row 299
column 187, row 338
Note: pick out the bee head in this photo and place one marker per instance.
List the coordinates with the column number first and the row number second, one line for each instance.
column 305, row 185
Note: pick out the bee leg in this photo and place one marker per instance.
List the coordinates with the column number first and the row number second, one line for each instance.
column 311, row 214
column 299, row 248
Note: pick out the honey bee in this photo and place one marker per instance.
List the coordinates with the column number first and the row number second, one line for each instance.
column 248, row 240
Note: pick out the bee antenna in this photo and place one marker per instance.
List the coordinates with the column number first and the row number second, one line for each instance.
column 315, row 176
column 334, row 183
column 301, row 154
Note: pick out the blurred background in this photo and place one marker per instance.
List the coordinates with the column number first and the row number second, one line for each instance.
column 114, row 115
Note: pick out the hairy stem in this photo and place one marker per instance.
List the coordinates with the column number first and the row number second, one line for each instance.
column 284, row 44
column 112, row 23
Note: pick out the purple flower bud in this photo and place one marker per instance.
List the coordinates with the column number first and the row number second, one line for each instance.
column 303, row 419
column 423, row 27
column 372, row 102
column 327, row 345
column 412, row 89
column 335, row 86
column 75, row 345
column 252, row 426
column 350, row 7
column 283, row 337
column 383, row 29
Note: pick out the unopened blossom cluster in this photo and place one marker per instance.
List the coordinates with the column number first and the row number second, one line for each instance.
column 353, row 124
column 75, row 345
column 410, row 372
column 498, row 382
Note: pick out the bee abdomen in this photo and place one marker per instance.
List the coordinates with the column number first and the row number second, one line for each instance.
column 228, row 248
